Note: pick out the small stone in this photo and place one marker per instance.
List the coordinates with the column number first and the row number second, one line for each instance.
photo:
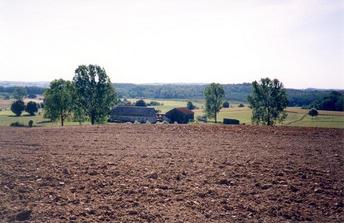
column 153, row 175
column 266, row 186
column 61, row 183
column 23, row 215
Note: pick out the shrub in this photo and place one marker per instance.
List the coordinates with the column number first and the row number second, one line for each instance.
column 17, row 124
column 229, row 121
column 202, row 118
column 31, row 107
column 241, row 105
column 225, row 104
column 30, row 123
column 313, row 112
column 154, row 103
column 18, row 107
column 141, row 103
column 190, row 106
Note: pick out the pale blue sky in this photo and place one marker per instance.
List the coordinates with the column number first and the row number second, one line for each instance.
column 150, row 41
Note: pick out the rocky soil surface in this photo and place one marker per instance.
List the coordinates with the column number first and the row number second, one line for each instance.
column 171, row 173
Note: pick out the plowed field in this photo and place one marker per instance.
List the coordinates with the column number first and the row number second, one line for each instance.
column 171, row 173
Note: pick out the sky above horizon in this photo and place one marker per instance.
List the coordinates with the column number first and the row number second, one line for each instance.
column 151, row 41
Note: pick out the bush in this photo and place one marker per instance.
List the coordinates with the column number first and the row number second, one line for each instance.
column 141, row 103
column 229, row 121
column 31, row 107
column 17, row 124
column 18, row 107
column 225, row 104
column 313, row 112
column 190, row 106
column 241, row 105
column 30, row 123
column 202, row 118
column 154, row 103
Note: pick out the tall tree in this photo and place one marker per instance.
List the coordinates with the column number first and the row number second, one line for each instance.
column 268, row 101
column 19, row 93
column 58, row 100
column 214, row 96
column 95, row 94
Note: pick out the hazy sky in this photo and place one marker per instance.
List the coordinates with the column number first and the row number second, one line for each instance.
column 149, row 41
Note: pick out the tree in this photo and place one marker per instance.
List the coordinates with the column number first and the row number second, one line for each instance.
column 58, row 100
column 141, row 103
column 190, row 106
column 19, row 93
column 214, row 95
column 313, row 112
column 31, row 107
column 268, row 101
column 18, row 107
column 94, row 92
column 225, row 104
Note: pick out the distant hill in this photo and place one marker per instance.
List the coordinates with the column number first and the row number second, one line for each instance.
column 234, row 92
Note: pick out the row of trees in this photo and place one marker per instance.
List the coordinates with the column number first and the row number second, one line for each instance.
column 90, row 94
column 268, row 101
column 19, row 106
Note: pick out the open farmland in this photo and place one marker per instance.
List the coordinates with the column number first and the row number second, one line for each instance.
column 171, row 173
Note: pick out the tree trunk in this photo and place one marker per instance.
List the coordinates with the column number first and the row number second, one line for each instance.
column 62, row 119
column 92, row 119
column 215, row 117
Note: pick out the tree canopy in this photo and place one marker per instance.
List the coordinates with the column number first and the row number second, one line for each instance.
column 58, row 100
column 18, row 107
column 214, row 96
column 31, row 107
column 268, row 101
column 94, row 92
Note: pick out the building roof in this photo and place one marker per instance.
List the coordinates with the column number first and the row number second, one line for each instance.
column 184, row 110
column 133, row 111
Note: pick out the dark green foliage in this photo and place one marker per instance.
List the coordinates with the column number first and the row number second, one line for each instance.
column 268, row 101
column 32, row 96
column 31, row 107
column 17, row 124
column 229, row 121
column 30, row 124
column 241, row 105
column 313, row 112
column 94, row 93
column 19, row 93
column 225, row 104
column 141, row 103
column 190, row 106
column 332, row 102
column 154, row 103
column 18, row 107
column 58, row 100
column 214, row 95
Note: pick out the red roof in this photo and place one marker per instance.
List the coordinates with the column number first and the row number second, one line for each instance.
column 185, row 110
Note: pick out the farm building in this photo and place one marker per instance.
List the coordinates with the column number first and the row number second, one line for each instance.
column 180, row 115
column 132, row 114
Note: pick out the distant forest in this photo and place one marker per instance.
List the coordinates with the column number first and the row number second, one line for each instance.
column 234, row 92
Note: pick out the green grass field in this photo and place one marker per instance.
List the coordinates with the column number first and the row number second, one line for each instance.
column 296, row 116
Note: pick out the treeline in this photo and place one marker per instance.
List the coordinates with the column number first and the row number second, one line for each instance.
column 29, row 89
column 235, row 92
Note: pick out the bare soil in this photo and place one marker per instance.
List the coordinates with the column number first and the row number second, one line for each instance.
column 171, row 173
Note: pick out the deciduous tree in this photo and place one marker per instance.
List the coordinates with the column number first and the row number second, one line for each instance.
column 214, row 95
column 94, row 92
column 58, row 100
column 18, row 107
column 268, row 101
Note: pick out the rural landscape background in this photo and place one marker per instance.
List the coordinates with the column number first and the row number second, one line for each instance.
column 172, row 111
